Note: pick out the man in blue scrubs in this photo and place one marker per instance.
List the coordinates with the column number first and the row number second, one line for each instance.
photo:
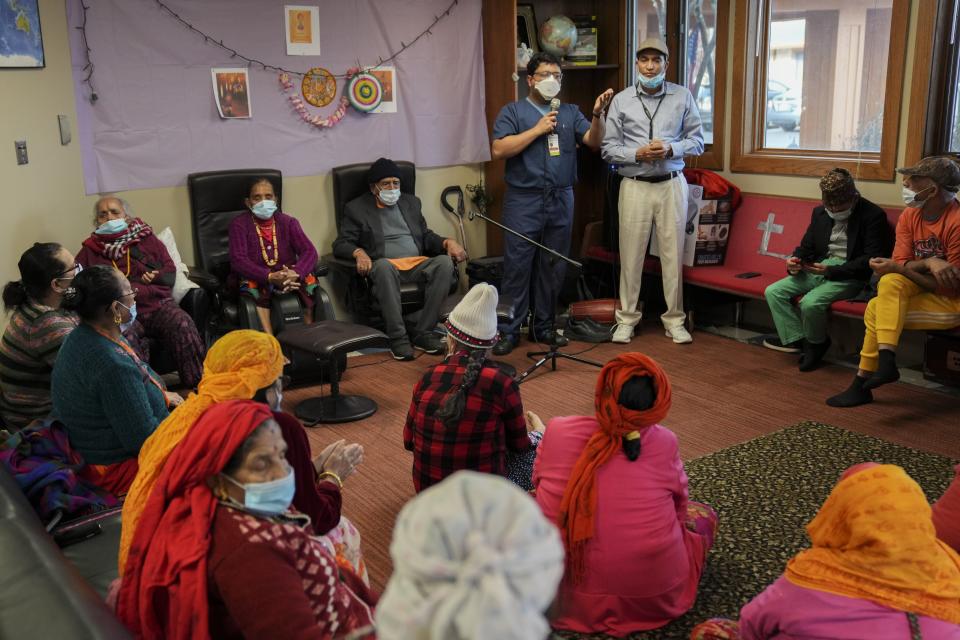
column 540, row 147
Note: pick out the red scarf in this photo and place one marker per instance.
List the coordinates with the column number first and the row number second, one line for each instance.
column 579, row 503
column 115, row 245
column 164, row 588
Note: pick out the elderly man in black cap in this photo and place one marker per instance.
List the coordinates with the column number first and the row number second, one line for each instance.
column 831, row 263
column 920, row 285
column 385, row 232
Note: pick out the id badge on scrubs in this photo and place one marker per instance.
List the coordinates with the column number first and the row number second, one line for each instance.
column 553, row 144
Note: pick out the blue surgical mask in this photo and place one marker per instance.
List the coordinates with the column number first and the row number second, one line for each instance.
column 111, row 227
column 651, row 83
column 124, row 326
column 389, row 197
column 264, row 209
column 267, row 498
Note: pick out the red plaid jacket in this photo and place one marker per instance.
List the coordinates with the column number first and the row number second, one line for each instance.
column 492, row 422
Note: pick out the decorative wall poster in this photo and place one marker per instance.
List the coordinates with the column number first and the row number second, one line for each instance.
column 231, row 91
column 21, row 45
column 319, row 87
column 302, row 30
column 364, row 92
column 388, row 82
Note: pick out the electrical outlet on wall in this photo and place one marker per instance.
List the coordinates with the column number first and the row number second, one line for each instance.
column 21, row 147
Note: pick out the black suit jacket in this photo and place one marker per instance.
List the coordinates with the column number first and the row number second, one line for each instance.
column 362, row 228
column 868, row 236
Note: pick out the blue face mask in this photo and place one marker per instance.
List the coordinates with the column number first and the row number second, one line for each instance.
column 124, row 326
column 112, row 226
column 389, row 197
column 651, row 83
column 264, row 209
column 268, row 498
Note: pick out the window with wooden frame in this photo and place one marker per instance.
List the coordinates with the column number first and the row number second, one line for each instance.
column 817, row 85
column 695, row 31
column 934, row 118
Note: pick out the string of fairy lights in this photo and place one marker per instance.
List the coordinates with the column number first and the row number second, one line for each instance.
column 234, row 53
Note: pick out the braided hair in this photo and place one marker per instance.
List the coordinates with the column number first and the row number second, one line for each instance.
column 452, row 410
column 638, row 394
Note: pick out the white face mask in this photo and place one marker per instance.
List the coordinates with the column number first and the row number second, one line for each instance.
column 839, row 216
column 548, row 87
column 910, row 197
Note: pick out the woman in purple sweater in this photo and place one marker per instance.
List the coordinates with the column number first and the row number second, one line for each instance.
column 270, row 253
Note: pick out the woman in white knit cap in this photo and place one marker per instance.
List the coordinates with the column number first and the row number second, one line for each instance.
column 465, row 412
column 473, row 559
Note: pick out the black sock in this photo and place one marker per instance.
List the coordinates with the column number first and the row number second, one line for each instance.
column 886, row 370
column 855, row 395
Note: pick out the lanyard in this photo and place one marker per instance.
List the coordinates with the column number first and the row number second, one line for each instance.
column 647, row 111
column 136, row 359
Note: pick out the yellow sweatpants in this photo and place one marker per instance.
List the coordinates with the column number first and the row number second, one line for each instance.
column 901, row 304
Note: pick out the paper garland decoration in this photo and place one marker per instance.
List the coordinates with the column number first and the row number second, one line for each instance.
column 364, row 92
column 319, row 87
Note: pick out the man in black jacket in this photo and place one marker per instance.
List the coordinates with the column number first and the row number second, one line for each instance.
column 831, row 263
column 385, row 232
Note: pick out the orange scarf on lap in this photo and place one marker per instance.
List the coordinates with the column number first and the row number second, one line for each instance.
column 579, row 504
column 873, row 539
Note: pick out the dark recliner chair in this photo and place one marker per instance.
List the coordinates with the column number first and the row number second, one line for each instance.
column 46, row 591
column 349, row 182
column 216, row 198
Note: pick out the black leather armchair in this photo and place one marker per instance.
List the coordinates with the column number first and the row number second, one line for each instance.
column 216, row 198
column 42, row 593
column 349, row 182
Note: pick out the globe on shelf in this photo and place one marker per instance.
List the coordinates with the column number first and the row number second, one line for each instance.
column 558, row 35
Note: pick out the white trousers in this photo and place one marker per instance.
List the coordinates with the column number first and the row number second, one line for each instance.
column 644, row 205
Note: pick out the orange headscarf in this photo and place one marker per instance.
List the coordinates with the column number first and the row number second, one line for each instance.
column 873, row 539
column 579, row 502
column 236, row 367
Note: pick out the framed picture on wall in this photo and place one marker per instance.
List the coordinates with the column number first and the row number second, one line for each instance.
column 21, row 43
column 231, row 91
column 527, row 27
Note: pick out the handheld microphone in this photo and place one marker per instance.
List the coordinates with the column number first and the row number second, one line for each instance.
column 555, row 104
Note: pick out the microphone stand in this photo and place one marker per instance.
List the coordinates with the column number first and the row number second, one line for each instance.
column 554, row 352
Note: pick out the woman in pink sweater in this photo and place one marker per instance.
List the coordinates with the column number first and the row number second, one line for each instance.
column 637, row 565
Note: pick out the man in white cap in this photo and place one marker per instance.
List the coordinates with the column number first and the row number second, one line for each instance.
column 474, row 558
column 650, row 128
column 465, row 412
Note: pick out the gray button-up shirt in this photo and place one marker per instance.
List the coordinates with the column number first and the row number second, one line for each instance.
column 675, row 121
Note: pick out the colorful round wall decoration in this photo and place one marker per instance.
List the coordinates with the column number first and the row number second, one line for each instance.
column 319, row 87
column 364, row 92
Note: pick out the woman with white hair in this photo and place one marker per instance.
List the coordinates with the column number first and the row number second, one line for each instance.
column 474, row 558
column 129, row 245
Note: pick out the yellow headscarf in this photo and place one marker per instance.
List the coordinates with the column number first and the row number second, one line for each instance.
column 236, row 367
column 874, row 539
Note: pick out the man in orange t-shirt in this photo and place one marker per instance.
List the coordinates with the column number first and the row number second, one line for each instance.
column 920, row 284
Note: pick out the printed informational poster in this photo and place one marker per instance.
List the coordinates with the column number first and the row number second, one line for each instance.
column 231, row 92
column 302, row 30
column 388, row 80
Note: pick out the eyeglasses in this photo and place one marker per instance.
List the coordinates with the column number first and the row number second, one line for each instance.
column 543, row 75
column 74, row 270
column 132, row 292
column 389, row 184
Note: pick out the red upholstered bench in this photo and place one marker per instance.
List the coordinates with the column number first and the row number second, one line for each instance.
column 764, row 231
